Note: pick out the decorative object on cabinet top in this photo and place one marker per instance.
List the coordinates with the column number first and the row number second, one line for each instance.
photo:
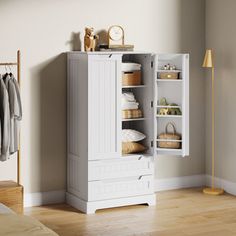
column 169, row 139
column 116, row 39
column 166, row 108
column 90, row 40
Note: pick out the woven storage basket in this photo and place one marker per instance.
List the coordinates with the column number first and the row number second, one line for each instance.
column 131, row 78
column 168, row 75
column 169, row 136
column 131, row 114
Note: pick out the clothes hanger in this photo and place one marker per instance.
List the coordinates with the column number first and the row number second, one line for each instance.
column 5, row 75
column 10, row 71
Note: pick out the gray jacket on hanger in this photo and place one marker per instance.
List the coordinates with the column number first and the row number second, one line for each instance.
column 15, row 112
column 5, row 122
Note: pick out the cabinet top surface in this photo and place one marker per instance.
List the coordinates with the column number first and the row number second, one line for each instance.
column 123, row 53
column 109, row 52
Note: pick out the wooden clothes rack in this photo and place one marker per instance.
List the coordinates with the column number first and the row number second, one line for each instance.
column 18, row 64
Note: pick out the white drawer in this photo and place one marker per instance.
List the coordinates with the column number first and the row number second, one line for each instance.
column 122, row 167
column 118, row 188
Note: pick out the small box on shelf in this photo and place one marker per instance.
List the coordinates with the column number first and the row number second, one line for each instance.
column 131, row 78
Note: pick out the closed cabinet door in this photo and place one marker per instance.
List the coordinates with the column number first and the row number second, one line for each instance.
column 104, row 93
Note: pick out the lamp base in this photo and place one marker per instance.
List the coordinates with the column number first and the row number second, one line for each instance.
column 213, row 191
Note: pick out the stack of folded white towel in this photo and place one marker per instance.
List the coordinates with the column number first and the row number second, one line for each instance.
column 128, row 101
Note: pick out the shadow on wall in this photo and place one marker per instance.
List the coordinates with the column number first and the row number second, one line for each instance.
column 193, row 42
column 50, row 84
column 191, row 39
column 75, row 41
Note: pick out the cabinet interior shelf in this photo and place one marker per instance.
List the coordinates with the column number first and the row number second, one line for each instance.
column 134, row 119
column 135, row 86
column 169, row 151
column 169, row 80
column 169, row 140
column 160, row 106
column 169, row 116
column 169, row 71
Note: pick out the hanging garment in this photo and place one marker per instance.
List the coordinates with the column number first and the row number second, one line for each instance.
column 5, row 122
column 15, row 112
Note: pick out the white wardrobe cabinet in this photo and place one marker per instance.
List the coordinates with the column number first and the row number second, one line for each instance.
column 99, row 176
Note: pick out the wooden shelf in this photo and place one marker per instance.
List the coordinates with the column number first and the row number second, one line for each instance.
column 169, row 71
column 169, row 116
column 134, row 119
column 135, row 86
column 169, row 80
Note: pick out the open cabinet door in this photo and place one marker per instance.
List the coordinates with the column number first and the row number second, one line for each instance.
column 172, row 104
column 154, row 77
column 185, row 135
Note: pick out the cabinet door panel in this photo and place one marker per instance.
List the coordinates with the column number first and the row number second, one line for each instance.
column 104, row 87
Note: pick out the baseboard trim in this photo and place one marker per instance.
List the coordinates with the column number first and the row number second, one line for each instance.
column 59, row 196
column 44, row 198
column 228, row 186
column 179, row 182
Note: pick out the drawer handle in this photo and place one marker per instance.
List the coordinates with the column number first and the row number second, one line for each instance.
column 140, row 158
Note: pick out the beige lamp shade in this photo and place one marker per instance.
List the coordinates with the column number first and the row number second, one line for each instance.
column 208, row 59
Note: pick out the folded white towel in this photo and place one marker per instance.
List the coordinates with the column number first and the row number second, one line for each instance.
column 128, row 96
column 129, row 105
column 130, row 66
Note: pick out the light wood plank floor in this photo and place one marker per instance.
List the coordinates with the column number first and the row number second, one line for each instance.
column 185, row 212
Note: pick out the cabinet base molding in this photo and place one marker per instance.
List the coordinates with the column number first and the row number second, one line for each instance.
column 91, row 207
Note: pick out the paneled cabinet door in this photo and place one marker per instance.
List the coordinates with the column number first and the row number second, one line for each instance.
column 104, row 95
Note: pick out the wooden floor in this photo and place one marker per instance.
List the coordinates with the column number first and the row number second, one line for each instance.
column 179, row 213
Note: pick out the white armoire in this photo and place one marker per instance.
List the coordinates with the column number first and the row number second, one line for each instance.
column 99, row 176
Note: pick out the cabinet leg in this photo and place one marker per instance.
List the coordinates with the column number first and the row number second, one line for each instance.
column 90, row 210
column 152, row 201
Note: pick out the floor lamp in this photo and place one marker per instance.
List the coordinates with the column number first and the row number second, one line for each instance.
column 208, row 63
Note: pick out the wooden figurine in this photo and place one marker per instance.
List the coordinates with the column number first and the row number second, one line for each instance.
column 90, row 40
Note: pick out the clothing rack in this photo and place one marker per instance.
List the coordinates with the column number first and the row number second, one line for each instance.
column 18, row 64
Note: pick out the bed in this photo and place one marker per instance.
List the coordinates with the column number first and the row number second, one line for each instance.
column 12, row 224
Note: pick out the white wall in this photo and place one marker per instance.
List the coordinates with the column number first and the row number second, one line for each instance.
column 43, row 31
column 221, row 37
